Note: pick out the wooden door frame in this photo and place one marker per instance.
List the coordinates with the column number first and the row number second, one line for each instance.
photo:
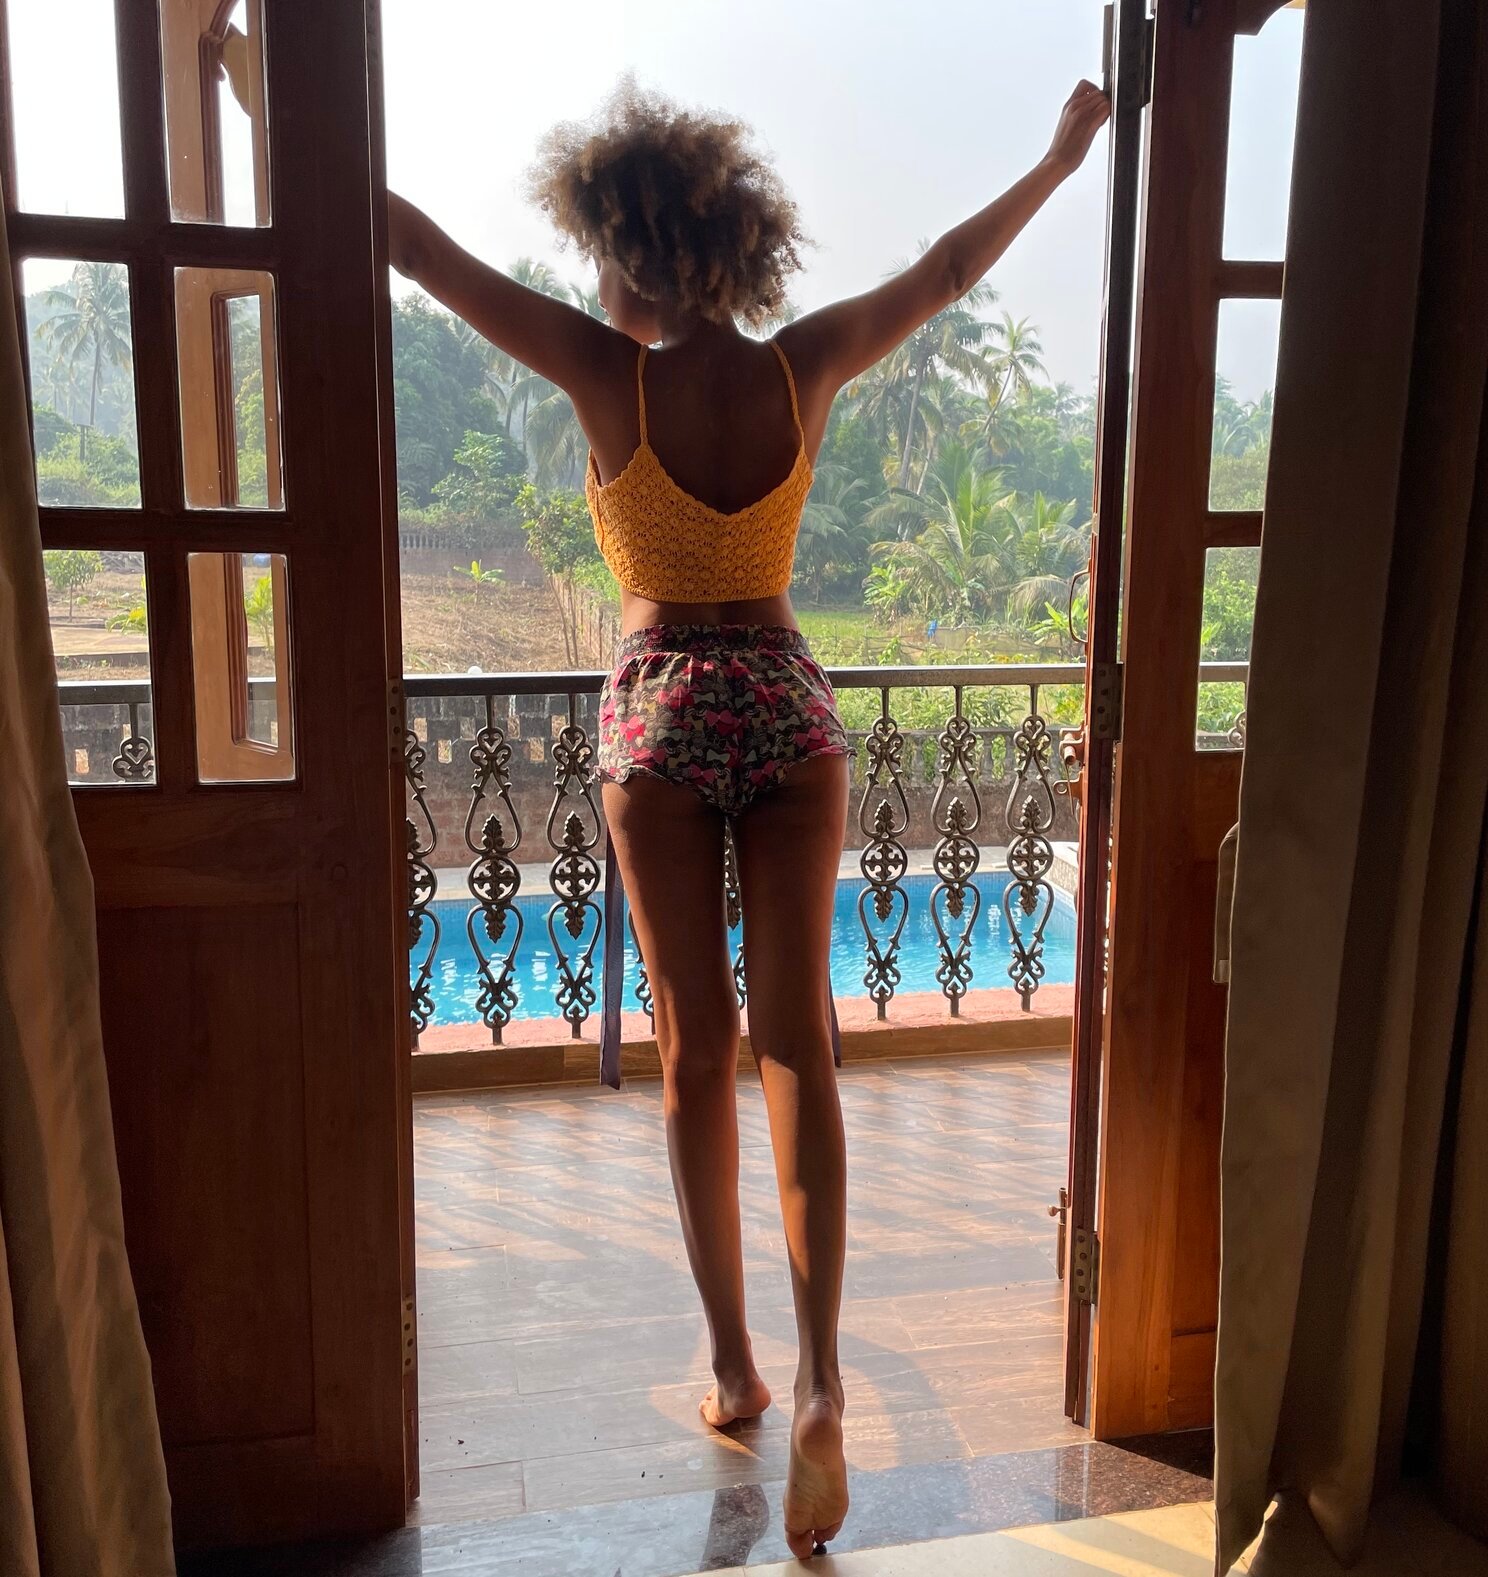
column 330, row 840
column 1162, row 1035
column 1127, row 46
column 398, row 731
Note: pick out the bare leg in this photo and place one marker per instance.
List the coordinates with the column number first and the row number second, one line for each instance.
column 670, row 847
column 789, row 843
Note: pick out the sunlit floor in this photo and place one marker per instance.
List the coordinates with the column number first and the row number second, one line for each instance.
column 1408, row 1539
column 562, row 1351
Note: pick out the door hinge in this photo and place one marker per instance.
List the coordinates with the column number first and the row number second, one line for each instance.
column 395, row 718
column 410, row 1336
column 1084, row 1274
column 1105, row 701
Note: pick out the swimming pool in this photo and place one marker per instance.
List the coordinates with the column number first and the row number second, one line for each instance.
column 456, row 984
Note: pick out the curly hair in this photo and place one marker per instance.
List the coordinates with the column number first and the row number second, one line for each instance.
column 677, row 200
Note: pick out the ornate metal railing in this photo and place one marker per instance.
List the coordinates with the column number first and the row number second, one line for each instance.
column 491, row 753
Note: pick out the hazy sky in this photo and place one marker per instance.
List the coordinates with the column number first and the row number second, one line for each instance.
column 888, row 123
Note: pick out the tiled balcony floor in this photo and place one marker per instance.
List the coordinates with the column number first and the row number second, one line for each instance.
column 562, row 1350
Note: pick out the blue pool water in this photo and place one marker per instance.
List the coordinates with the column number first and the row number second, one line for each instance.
column 456, row 983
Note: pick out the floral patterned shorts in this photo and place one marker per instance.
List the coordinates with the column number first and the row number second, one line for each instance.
column 727, row 709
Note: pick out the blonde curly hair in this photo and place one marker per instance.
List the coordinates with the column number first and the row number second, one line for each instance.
column 677, row 200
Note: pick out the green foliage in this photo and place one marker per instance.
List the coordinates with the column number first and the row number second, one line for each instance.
column 83, row 350
column 886, row 590
column 70, row 571
column 1229, row 603
column 131, row 619
column 490, row 469
column 478, row 576
column 1219, row 706
column 559, row 531
column 106, row 474
column 438, row 395
column 1054, row 628
column 258, row 605
column 1238, row 481
column 560, row 536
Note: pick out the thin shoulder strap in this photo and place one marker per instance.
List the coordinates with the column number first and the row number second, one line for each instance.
column 790, row 383
column 641, row 388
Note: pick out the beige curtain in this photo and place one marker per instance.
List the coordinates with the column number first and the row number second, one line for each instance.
column 1353, row 1338
column 82, row 1478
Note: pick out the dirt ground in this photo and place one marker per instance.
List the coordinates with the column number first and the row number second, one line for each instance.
column 449, row 627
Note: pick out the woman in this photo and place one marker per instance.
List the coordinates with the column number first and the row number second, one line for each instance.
column 701, row 443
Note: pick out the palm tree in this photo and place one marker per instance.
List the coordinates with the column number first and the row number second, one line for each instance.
column 507, row 380
column 1017, row 368
column 957, row 564
column 550, row 426
column 953, row 342
column 833, row 508
column 56, row 385
column 1044, row 548
column 1019, row 361
column 91, row 323
column 554, row 440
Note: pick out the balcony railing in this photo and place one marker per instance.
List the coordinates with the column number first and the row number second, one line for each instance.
column 489, row 758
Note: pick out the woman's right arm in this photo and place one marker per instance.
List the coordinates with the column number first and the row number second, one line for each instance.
column 837, row 343
column 555, row 340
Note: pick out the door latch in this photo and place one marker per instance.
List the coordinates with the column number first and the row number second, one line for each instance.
column 1061, row 1210
column 1072, row 764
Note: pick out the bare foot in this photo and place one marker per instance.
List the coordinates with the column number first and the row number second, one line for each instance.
column 747, row 1397
column 816, row 1485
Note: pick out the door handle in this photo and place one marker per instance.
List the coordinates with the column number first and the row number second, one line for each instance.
column 1082, row 641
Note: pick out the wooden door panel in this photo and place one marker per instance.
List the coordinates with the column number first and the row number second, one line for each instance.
column 201, row 1018
column 251, row 934
column 162, row 853
column 1162, row 1054
column 1126, row 76
column 1190, row 1402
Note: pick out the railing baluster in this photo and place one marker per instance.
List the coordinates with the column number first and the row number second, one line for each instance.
column 956, row 855
column 422, row 920
column 1028, row 900
column 643, row 981
column 135, row 762
column 733, row 908
column 950, row 773
column 883, row 861
column 574, row 874
column 493, row 878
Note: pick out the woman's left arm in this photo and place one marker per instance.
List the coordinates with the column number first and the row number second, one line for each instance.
column 557, row 341
column 837, row 343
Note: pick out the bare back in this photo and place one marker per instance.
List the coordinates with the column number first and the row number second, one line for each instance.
column 719, row 419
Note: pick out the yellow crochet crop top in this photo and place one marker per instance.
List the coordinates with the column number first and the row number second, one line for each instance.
column 662, row 543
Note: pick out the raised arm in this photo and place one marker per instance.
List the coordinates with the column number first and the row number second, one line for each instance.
column 832, row 346
column 555, row 340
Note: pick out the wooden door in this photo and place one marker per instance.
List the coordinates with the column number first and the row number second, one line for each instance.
column 1127, row 36
column 247, row 857
column 1147, row 1260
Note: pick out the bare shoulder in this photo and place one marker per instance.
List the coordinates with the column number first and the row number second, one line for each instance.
column 808, row 350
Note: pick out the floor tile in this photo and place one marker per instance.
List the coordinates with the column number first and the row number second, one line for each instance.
column 558, row 1320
